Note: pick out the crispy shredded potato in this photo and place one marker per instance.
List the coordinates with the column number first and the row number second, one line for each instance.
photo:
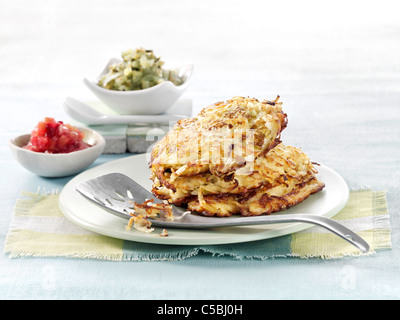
column 140, row 223
column 230, row 160
column 148, row 209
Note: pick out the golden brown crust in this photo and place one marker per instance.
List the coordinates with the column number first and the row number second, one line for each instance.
column 221, row 137
column 254, row 203
column 229, row 160
column 284, row 176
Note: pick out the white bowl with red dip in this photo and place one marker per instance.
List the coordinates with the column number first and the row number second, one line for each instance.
column 55, row 149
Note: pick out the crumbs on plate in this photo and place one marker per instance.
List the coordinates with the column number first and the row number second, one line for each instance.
column 148, row 209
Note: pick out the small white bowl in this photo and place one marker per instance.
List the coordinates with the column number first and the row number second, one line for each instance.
column 153, row 100
column 58, row 164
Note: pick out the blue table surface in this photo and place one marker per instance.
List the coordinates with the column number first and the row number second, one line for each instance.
column 340, row 84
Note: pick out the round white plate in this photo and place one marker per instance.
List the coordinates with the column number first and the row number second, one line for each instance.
column 84, row 213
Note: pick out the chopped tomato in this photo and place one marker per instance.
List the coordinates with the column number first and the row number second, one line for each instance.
column 50, row 136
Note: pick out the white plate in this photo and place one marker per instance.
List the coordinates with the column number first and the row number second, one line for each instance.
column 84, row 213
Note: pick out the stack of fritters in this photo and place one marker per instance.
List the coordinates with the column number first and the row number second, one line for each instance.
column 230, row 160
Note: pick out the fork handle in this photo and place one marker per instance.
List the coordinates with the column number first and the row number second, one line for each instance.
column 321, row 221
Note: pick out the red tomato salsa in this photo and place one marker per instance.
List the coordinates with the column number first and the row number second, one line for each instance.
column 50, row 136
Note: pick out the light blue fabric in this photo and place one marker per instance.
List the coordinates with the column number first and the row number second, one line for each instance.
column 262, row 249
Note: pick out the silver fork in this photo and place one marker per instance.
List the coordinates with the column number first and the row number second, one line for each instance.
column 116, row 192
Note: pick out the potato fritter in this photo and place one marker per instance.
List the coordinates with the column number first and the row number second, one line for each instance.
column 230, row 160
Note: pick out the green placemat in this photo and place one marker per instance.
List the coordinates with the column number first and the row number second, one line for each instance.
column 39, row 229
